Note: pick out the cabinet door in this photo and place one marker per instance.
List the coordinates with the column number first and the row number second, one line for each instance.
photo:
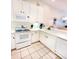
column 42, row 38
column 51, row 42
column 61, row 47
column 35, row 36
column 36, row 13
column 12, row 41
column 48, row 40
column 27, row 10
column 33, row 12
column 16, row 7
column 40, row 14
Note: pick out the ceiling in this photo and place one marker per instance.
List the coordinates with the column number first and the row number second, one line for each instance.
column 60, row 5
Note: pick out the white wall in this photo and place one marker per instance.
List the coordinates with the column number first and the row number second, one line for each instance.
column 49, row 13
column 15, row 24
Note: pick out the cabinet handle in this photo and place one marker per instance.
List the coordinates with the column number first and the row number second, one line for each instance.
column 46, row 36
column 28, row 16
column 13, row 37
column 36, row 32
column 32, row 33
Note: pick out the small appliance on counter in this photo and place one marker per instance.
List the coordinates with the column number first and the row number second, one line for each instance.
column 42, row 25
column 50, row 27
column 37, row 26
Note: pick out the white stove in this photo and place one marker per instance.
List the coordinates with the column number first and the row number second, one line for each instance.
column 22, row 39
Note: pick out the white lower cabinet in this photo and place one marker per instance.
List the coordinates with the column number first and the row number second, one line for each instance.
column 48, row 40
column 61, row 47
column 24, row 44
column 43, row 38
column 54, row 43
column 12, row 41
column 51, row 42
column 35, row 36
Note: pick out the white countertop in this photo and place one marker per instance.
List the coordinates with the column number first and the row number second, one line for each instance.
column 60, row 33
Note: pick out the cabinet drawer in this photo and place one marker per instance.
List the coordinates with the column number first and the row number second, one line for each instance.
column 21, row 45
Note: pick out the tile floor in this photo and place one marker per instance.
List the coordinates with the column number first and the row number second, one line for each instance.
column 35, row 51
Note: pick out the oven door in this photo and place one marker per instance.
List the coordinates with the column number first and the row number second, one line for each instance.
column 23, row 37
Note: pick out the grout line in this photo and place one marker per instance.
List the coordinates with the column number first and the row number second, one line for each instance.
column 45, row 54
column 29, row 53
column 20, row 53
column 49, row 56
column 37, row 52
column 27, row 49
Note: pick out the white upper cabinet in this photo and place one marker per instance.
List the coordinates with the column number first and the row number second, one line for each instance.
column 26, row 11
column 33, row 12
column 27, row 8
column 40, row 13
column 18, row 10
column 36, row 12
column 17, row 7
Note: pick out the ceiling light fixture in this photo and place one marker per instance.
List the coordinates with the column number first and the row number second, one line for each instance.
column 53, row 0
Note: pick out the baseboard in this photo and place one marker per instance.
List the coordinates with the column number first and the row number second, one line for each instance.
column 35, row 42
column 13, row 49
